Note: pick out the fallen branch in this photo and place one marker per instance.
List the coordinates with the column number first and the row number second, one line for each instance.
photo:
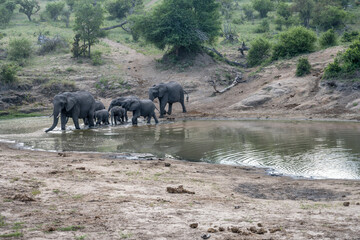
column 238, row 79
column 116, row 26
column 225, row 59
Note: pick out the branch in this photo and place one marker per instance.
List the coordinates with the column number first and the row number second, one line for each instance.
column 238, row 79
column 116, row 26
column 225, row 59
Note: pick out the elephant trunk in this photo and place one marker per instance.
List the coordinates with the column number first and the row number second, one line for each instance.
column 55, row 122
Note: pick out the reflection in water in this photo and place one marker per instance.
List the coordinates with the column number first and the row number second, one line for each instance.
column 311, row 149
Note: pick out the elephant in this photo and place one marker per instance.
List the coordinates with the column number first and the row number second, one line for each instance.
column 145, row 108
column 102, row 116
column 98, row 106
column 80, row 104
column 170, row 92
column 119, row 101
column 117, row 113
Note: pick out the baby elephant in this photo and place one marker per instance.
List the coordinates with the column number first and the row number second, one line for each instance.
column 117, row 114
column 102, row 116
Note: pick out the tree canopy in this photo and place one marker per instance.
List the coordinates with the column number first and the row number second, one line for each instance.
column 180, row 24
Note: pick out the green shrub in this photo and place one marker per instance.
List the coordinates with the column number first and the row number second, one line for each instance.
column 350, row 36
column 54, row 9
column 330, row 17
column 51, row 45
column 263, row 27
column 6, row 12
column 346, row 65
column 295, row 41
column 303, row 67
column 96, row 58
column 19, row 49
column 118, row 8
column 8, row 73
column 248, row 11
column 260, row 50
column 328, row 39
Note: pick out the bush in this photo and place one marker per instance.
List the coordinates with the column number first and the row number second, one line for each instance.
column 260, row 50
column 51, row 45
column 295, row 41
column 328, row 39
column 303, row 67
column 118, row 8
column 330, row 17
column 248, row 11
column 346, row 65
column 8, row 73
column 96, row 58
column 19, row 48
column 350, row 36
column 54, row 9
column 6, row 12
column 263, row 27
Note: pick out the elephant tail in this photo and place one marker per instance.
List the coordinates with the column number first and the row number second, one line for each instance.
column 187, row 96
column 157, row 109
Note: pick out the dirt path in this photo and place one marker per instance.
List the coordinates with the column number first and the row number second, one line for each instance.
column 96, row 196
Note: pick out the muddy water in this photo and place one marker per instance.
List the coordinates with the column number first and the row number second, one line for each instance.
column 309, row 149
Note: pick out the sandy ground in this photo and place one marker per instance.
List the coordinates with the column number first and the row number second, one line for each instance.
column 99, row 196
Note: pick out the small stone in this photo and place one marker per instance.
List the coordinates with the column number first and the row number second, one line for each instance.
column 194, row 225
column 259, row 225
column 234, row 229
column 237, row 207
column 357, row 203
column 253, row 229
column 221, row 229
column 80, row 168
column 346, row 204
column 167, row 164
column 211, row 230
column 261, row 231
column 205, row 236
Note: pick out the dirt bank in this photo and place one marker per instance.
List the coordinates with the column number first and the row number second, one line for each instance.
column 98, row 196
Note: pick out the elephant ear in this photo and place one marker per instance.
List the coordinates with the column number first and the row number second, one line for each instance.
column 162, row 91
column 70, row 103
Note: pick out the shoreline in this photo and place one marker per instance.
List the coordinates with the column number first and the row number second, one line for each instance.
column 63, row 195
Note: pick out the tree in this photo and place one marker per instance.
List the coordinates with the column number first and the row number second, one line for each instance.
column 263, row 7
column 122, row 8
column 6, row 11
column 28, row 7
column 260, row 50
column 54, row 9
column 180, row 24
column 88, row 19
column 305, row 9
column 330, row 17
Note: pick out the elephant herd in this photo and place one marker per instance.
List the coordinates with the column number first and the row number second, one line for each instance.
column 82, row 105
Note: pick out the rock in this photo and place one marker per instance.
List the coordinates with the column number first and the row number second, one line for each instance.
column 346, row 204
column 167, row 164
column 179, row 189
column 235, row 230
column 253, row 229
column 250, row 102
column 80, row 168
column 205, row 236
column 194, row 225
column 211, row 230
column 221, row 229
column 23, row 198
column 261, row 231
column 259, row 225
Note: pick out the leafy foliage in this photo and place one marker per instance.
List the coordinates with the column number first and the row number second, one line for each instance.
column 121, row 8
column 8, row 73
column 28, row 7
column 77, row 49
column 293, row 42
column 305, row 9
column 260, row 50
column 330, row 17
column 54, row 9
column 303, row 67
column 328, row 39
column 88, row 19
column 6, row 12
column 346, row 65
column 19, row 48
column 350, row 36
column 51, row 45
column 248, row 11
column 263, row 27
column 180, row 24
column 263, row 7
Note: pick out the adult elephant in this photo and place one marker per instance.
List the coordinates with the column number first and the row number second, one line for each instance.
column 98, row 106
column 119, row 102
column 145, row 108
column 76, row 105
column 170, row 93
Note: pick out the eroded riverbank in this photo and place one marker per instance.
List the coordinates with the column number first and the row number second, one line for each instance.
column 72, row 195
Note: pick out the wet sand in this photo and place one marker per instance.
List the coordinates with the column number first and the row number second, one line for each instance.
column 96, row 196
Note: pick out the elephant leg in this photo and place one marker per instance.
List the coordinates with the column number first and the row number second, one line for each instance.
column 115, row 119
column 91, row 120
column 170, row 109
column 63, row 120
column 162, row 109
column 136, row 114
column 154, row 116
column 183, row 105
column 126, row 117
column 76, row 122
column 148, row 119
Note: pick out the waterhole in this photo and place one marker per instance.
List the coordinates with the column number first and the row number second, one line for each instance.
column 296, row 148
